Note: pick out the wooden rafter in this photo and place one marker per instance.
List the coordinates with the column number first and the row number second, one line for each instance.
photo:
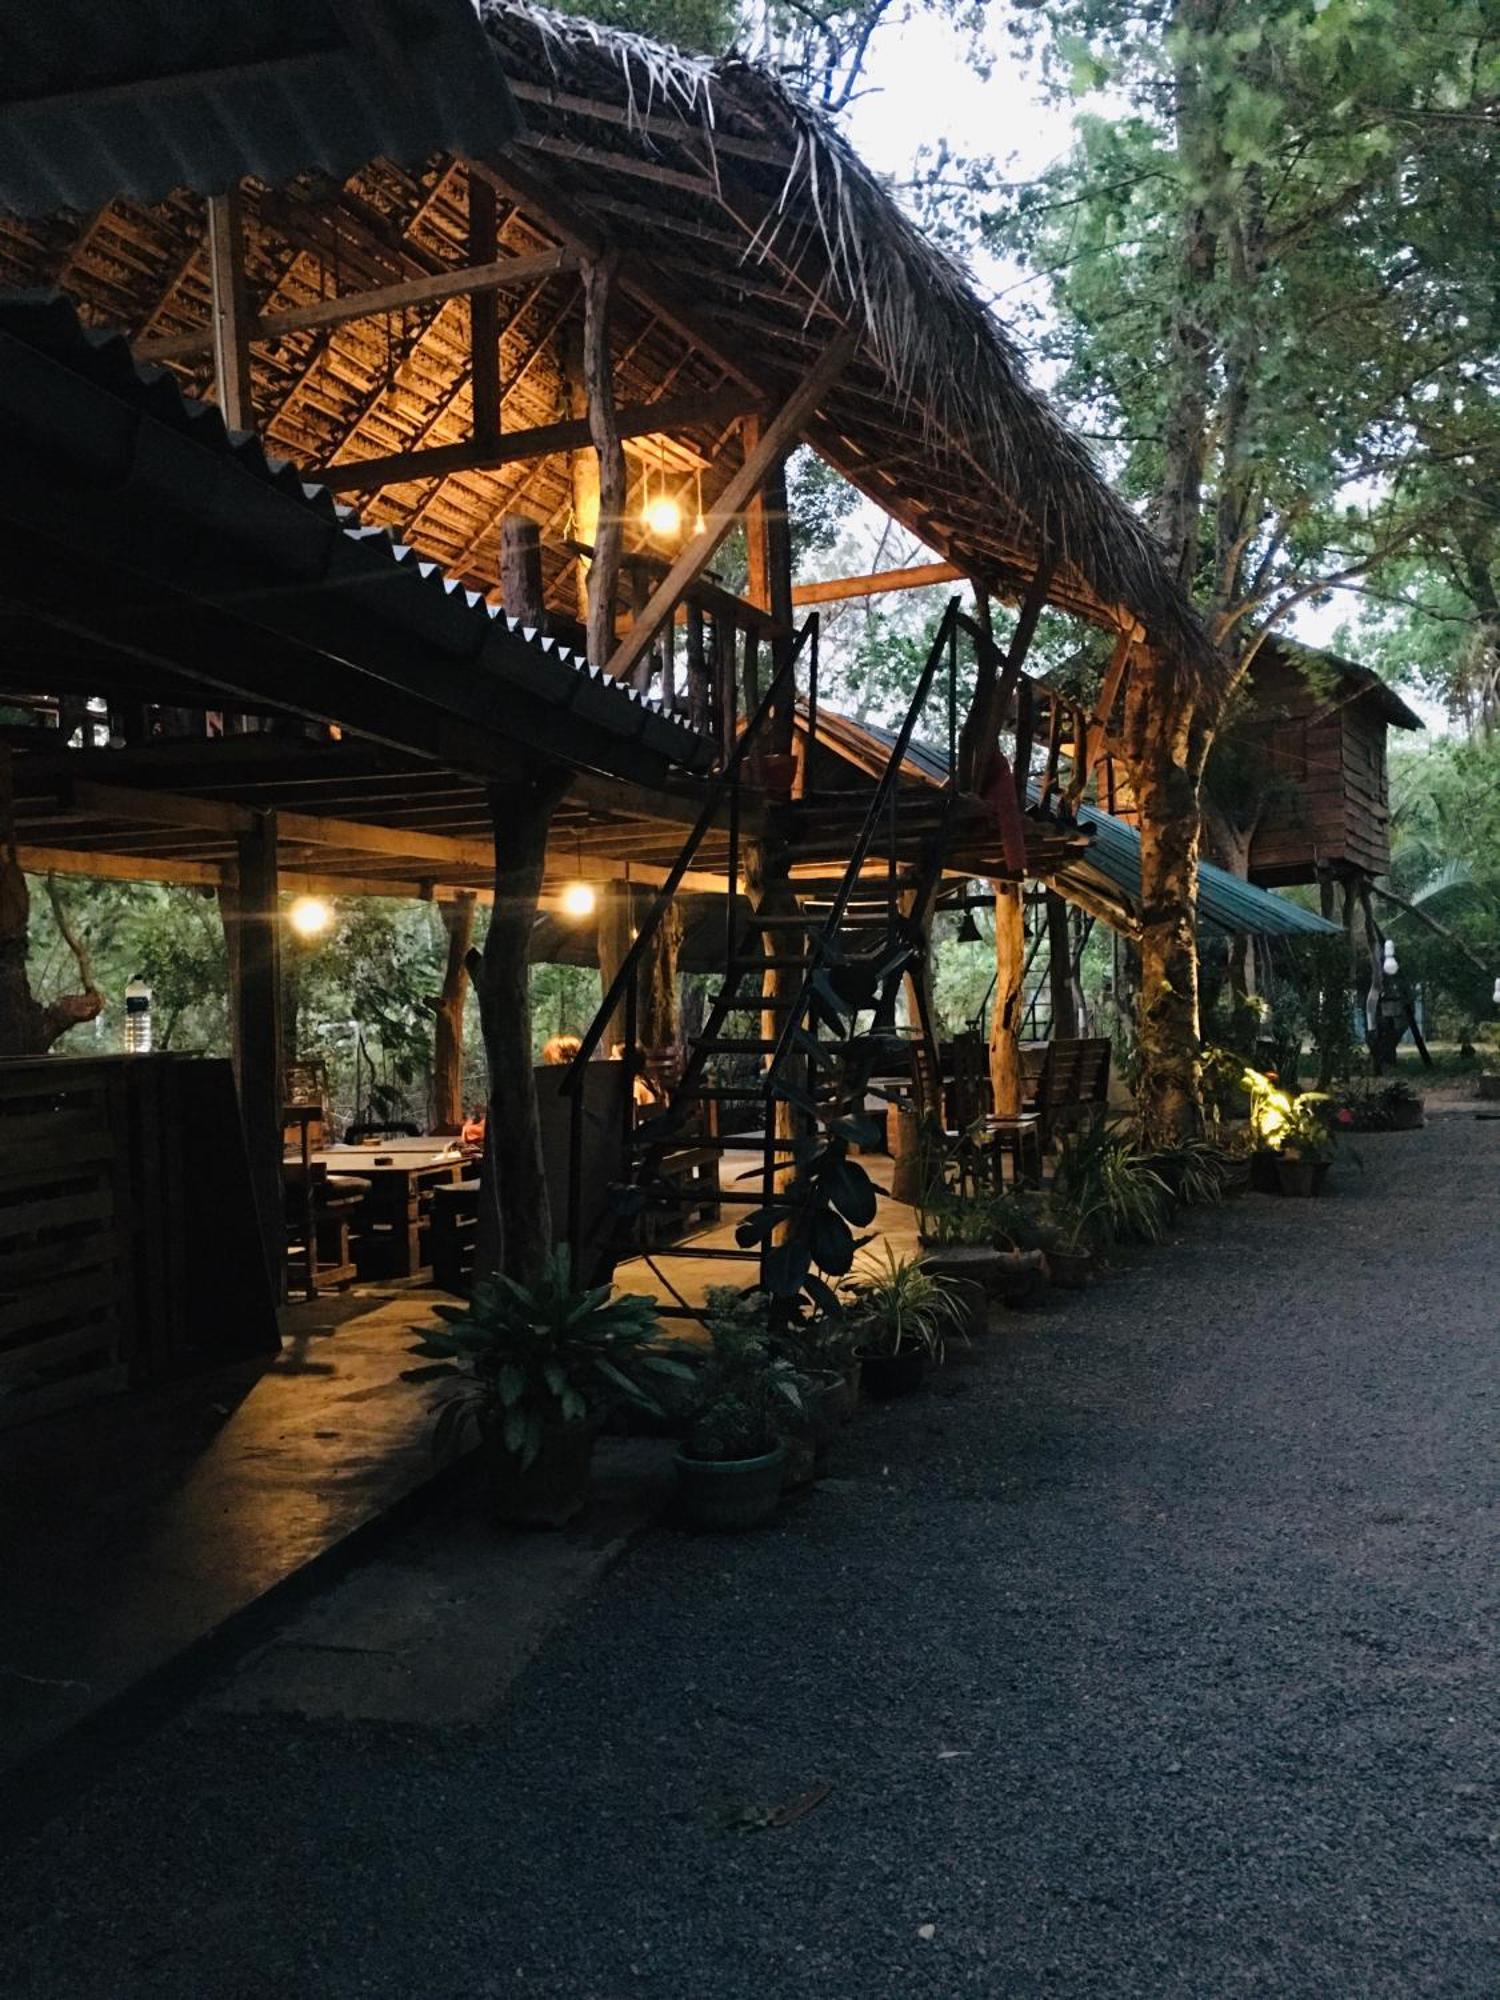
column 473, row 455
column 482, row 279
column 230, row 325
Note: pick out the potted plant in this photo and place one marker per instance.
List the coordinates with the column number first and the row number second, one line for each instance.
column 1305, row 1147
column 732, row 1464
column 1069, row 1249
column 534, row 1370
column 901, row 1316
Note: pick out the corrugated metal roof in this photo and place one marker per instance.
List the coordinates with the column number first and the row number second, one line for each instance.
column 1114, row 853
column 153, row 456
column 141, row 97
column 1113, row 859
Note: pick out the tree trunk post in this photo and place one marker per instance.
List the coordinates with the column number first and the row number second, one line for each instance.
column 254, row 913
column 448, row 1029
column 1060, row 967
column 521, row 570
column 1005, row 1019
column 1166, row 747
column 515, row 1221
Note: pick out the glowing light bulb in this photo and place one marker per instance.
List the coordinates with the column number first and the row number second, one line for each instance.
column 577, row 900
column 309, row 916
column 664, row 517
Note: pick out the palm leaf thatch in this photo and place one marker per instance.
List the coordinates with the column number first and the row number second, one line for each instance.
column 938, row 422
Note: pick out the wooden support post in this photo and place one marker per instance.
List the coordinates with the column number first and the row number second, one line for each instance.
column 230, row 310
column 484, row 317
column 1005, row 1021
column 521, row 570
column 612, row 929
column 779, row 435
column 1060, row 967
column 776, row 514
column 583, row 465
column 253, row 910
column 515, row 1217
column 448, row 1031
column 604, row 572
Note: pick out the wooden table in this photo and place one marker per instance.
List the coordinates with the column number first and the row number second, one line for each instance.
column 392, row 1218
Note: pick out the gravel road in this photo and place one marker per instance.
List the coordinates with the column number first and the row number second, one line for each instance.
column 1152, row 1652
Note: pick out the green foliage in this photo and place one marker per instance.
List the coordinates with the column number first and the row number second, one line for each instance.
column 897, row 1303
column 1275, row 270
column 520, row 1357
column 1102, row 1174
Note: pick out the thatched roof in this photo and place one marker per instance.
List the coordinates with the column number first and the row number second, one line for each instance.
column 752, row 234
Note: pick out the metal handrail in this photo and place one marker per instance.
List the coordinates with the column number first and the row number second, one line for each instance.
column 884, row 789
column 623, row 985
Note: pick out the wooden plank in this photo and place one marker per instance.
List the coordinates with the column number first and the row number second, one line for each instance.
column 118, row 867
column 59, row 1211
column 64, row 1395
column 230, row 310
column 45, row 1264
column 670, row 413
column 47, row 1306
column 779, row 434
column 918, row 576
column 497, row 275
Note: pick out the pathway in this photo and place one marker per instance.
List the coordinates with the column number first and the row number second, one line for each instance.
column 1150, row 1654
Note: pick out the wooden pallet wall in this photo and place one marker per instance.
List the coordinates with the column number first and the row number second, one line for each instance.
column 67, row 1290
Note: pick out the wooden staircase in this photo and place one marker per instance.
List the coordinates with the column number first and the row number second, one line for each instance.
column 805, row 1011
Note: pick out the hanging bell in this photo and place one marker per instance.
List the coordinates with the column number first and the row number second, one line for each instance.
column 968, row 931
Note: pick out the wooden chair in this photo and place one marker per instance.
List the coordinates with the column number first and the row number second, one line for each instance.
column 1073, row 1086
column 970, row 1102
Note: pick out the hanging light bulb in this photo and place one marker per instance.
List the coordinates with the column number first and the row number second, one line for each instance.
column 309, row 916
column 1390, row 967
column 577, row 900
column 664, row 517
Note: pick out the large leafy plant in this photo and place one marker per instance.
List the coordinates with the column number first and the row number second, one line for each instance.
column 522, row 1357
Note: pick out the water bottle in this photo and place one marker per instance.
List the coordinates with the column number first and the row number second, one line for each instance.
column 138, row 1018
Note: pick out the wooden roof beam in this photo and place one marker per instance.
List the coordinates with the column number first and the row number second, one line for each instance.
column 571, row 434
column 918, row 576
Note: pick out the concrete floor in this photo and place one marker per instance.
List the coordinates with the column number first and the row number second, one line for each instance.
column 691, row 1275
column 135, row 1530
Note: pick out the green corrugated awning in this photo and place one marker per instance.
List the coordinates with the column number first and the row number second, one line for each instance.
column 1113, row 863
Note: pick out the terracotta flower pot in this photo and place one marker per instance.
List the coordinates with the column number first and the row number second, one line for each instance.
column 729, row 1494
column 553, row 1488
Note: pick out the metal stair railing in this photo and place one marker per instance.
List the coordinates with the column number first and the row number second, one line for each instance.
column 623, row 987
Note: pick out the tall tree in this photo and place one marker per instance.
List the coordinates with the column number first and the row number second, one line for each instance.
column 1260, row 275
